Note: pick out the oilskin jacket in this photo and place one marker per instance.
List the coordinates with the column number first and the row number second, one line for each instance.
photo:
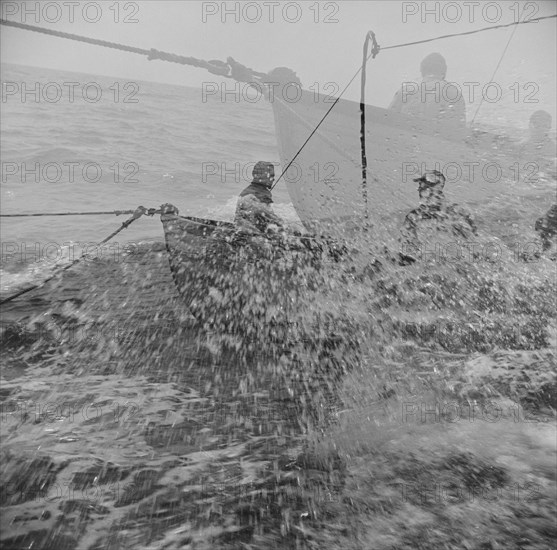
column 254, row 208
column 427, row 226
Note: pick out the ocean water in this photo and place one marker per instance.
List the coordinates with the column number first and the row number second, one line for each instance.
column 125, row 425
column 141, row 143
column 168, row 146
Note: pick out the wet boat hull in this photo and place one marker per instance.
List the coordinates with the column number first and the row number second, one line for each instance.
column 228, row 277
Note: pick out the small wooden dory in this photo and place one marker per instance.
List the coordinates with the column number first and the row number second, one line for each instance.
column 228, row 275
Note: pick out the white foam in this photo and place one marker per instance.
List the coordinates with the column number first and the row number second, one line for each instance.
column 38, row 271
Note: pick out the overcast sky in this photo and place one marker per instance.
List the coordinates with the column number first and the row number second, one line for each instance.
column 321, row 41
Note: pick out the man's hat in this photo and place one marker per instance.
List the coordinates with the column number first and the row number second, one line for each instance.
column 431, row 178
column 433, row 65
column 263, row 172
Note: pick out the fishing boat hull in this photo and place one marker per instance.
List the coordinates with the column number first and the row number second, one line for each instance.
column 325, row 180
column 231, row 278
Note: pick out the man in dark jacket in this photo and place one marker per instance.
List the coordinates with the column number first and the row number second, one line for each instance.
column 434, row 220
column 254, row 204
column 434, row 99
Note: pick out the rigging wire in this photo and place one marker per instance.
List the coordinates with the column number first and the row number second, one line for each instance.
column 380, row 48
column 233, row 69
column 498, row 65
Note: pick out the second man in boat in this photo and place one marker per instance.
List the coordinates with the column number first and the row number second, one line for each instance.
column 433, row 99
column 434, row 222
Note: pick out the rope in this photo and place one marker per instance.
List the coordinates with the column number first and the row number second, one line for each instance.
column 115, row 212
column 442, row 37
column 374, row 52
column 79, row 38
column 399, row 195
column 498, row 65
column 33, row 287
column 137, row 213
column 230, row 69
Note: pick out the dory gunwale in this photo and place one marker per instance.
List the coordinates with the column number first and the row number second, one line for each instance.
column 217, row 266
